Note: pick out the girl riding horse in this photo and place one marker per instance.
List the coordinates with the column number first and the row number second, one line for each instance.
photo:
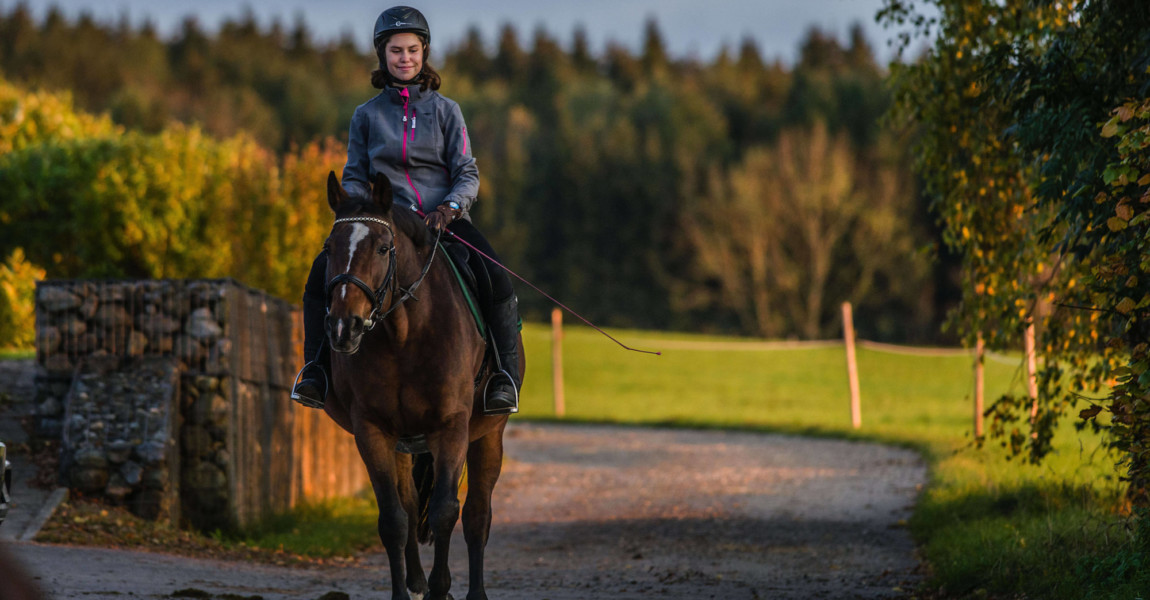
column 417, row 138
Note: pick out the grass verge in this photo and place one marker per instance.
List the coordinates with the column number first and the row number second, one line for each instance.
column 16, row 354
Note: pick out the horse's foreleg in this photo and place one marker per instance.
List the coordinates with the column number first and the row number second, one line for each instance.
column 416, row 581
column 449, row 449
column 484, row 461
column 379, row 457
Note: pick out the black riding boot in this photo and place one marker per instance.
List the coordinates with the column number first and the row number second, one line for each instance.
column 502, row 394
column 311, row 391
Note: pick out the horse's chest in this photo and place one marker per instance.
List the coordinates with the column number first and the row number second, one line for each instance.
column 400, row 411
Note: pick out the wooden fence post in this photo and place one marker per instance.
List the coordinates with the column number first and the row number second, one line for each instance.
column 979, row 361
column 852, row 365
column 557, row 361
column 1032, row 373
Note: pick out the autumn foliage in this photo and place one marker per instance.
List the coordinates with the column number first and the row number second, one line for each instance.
column 1033, row 127
column 85, row 198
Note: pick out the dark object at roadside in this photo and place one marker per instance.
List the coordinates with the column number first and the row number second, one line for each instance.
column 5, row 483
column 15, row 582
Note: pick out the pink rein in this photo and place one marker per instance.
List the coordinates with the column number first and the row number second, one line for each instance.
column 549, row 297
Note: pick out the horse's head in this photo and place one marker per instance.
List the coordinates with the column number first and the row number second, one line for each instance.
column 361, row 263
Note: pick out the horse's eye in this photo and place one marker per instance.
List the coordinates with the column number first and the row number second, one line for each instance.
column 382, row 250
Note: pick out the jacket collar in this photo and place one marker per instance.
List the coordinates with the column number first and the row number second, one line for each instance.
column 414, row 94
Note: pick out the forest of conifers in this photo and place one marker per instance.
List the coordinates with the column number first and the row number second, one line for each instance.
column 729, row 195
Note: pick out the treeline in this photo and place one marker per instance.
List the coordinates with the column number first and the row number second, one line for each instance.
column 730, row 195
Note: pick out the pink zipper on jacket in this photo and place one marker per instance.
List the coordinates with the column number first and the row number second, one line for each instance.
column 407, row 174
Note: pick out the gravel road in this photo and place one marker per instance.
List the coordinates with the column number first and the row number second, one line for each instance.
column 610, row 512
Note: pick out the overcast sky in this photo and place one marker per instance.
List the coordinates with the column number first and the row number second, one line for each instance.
column 690, row 27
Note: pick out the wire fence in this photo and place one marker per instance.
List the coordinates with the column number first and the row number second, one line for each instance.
column 1025, row 361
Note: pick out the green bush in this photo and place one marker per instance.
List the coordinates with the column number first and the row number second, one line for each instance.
column 84, row 199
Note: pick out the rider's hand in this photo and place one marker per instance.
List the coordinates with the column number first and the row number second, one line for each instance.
column 442, row 216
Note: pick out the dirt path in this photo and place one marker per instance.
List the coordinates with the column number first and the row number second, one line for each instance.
column 611, row 512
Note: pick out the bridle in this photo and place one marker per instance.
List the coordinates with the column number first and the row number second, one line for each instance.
column 390, row 280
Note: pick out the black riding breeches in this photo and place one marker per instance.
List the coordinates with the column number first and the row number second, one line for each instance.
column 314, row 306
column 501, row 288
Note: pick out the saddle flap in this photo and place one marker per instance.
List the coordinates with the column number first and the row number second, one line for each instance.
column 475, row 285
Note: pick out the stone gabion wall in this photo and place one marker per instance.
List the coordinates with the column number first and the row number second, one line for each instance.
column 230, row 453
column 204, row 451
column 171, row 318
column 82, row 321
column 118, row 437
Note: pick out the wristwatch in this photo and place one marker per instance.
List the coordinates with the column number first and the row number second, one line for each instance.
column 453, row 205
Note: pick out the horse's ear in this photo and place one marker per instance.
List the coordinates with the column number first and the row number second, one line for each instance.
column 335, row 193
column 381, row 192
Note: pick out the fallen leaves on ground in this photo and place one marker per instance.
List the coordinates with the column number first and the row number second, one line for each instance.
column 82, row 522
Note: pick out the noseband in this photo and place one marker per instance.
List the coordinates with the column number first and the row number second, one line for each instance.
column 390, row 281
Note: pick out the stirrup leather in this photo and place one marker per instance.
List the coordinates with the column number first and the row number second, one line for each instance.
column 307, row 401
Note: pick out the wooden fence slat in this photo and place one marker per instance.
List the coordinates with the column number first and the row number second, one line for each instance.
column 852, row 365
column 979, row 363
column 1032, row 375
column 557, row 362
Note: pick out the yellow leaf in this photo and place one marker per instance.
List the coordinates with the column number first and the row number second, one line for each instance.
column 1145, row 179
column 1124, row 211
column 1110, row 129
column 1116, row 224
column 1125, row 306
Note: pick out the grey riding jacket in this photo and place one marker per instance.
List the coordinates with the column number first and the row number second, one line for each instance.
column 419, row 141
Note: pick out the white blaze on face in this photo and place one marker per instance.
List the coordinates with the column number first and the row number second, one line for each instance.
column 359, row 232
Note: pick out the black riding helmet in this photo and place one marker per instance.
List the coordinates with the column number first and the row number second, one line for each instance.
column 399, row 19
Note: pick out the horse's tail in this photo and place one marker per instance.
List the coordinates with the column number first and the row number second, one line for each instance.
column 424, row 473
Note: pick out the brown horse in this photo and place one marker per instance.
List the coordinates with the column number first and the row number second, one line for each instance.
column 407, row 364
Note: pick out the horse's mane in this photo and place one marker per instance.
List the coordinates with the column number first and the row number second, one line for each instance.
column 406, row 221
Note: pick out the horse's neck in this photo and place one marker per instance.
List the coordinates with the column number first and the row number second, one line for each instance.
column 411, row 261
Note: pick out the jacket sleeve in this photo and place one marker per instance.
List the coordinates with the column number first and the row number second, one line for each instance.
column 459, row 160
column 356, row 179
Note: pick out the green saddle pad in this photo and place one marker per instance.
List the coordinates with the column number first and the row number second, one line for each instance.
column 468, row 291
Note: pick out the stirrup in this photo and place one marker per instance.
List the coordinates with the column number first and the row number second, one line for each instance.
column 500, row 410
column 307, row 401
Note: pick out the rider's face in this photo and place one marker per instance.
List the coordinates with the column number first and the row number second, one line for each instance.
column 404, row 56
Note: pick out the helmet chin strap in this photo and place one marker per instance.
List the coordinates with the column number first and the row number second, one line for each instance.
column 392, row 79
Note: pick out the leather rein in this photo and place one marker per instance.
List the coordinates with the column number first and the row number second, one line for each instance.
column 390, row 279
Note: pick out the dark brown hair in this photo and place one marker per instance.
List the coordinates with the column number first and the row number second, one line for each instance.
column 428, row 77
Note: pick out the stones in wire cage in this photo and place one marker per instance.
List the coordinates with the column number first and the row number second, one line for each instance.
column 182, row 319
